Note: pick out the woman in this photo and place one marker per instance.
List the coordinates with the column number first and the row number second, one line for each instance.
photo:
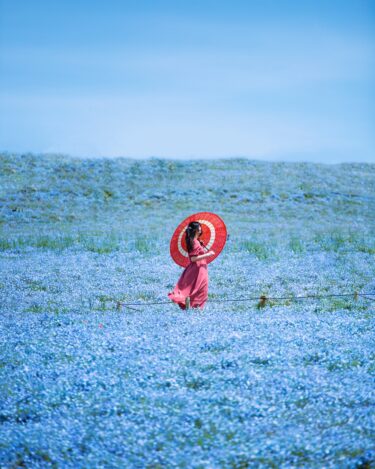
column 192, row 287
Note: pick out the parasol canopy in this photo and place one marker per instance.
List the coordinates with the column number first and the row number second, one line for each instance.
column 213, row 237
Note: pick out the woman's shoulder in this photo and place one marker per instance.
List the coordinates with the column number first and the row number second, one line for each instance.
column 196, row 244
column 194, row 247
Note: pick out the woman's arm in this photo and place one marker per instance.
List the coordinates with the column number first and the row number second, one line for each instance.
column 202, row 256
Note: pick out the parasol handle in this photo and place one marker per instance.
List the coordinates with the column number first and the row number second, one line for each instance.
column 203, row 245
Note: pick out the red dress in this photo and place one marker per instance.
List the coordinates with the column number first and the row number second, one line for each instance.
column 193, row 281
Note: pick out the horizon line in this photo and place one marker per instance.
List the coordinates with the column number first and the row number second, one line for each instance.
column 181, row 159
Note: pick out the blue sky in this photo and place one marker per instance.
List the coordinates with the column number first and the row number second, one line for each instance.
column 275, row 80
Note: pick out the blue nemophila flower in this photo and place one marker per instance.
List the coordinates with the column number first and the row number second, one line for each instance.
column 84, row 383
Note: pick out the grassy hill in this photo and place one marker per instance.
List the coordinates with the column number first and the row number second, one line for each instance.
column 237, row 385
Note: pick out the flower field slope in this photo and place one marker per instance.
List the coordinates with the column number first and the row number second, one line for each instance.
column 241, row 384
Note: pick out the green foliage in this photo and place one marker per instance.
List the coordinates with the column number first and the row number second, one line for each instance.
column 36, row 286
column 338, row 241
column 35, row 309
column 258, row 249
column 260, row 361
column 296, row 245
column 102, row 246
column 344, row 365
column 197, row 383
column 142, row 244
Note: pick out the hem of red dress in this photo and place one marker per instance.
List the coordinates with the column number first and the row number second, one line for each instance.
column 181, row 302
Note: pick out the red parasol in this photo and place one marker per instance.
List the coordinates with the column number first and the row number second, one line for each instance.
column 214, row 236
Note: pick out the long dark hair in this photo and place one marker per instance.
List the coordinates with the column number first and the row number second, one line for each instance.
column 191, row 230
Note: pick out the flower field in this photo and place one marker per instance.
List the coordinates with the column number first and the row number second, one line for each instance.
column 85, row 383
